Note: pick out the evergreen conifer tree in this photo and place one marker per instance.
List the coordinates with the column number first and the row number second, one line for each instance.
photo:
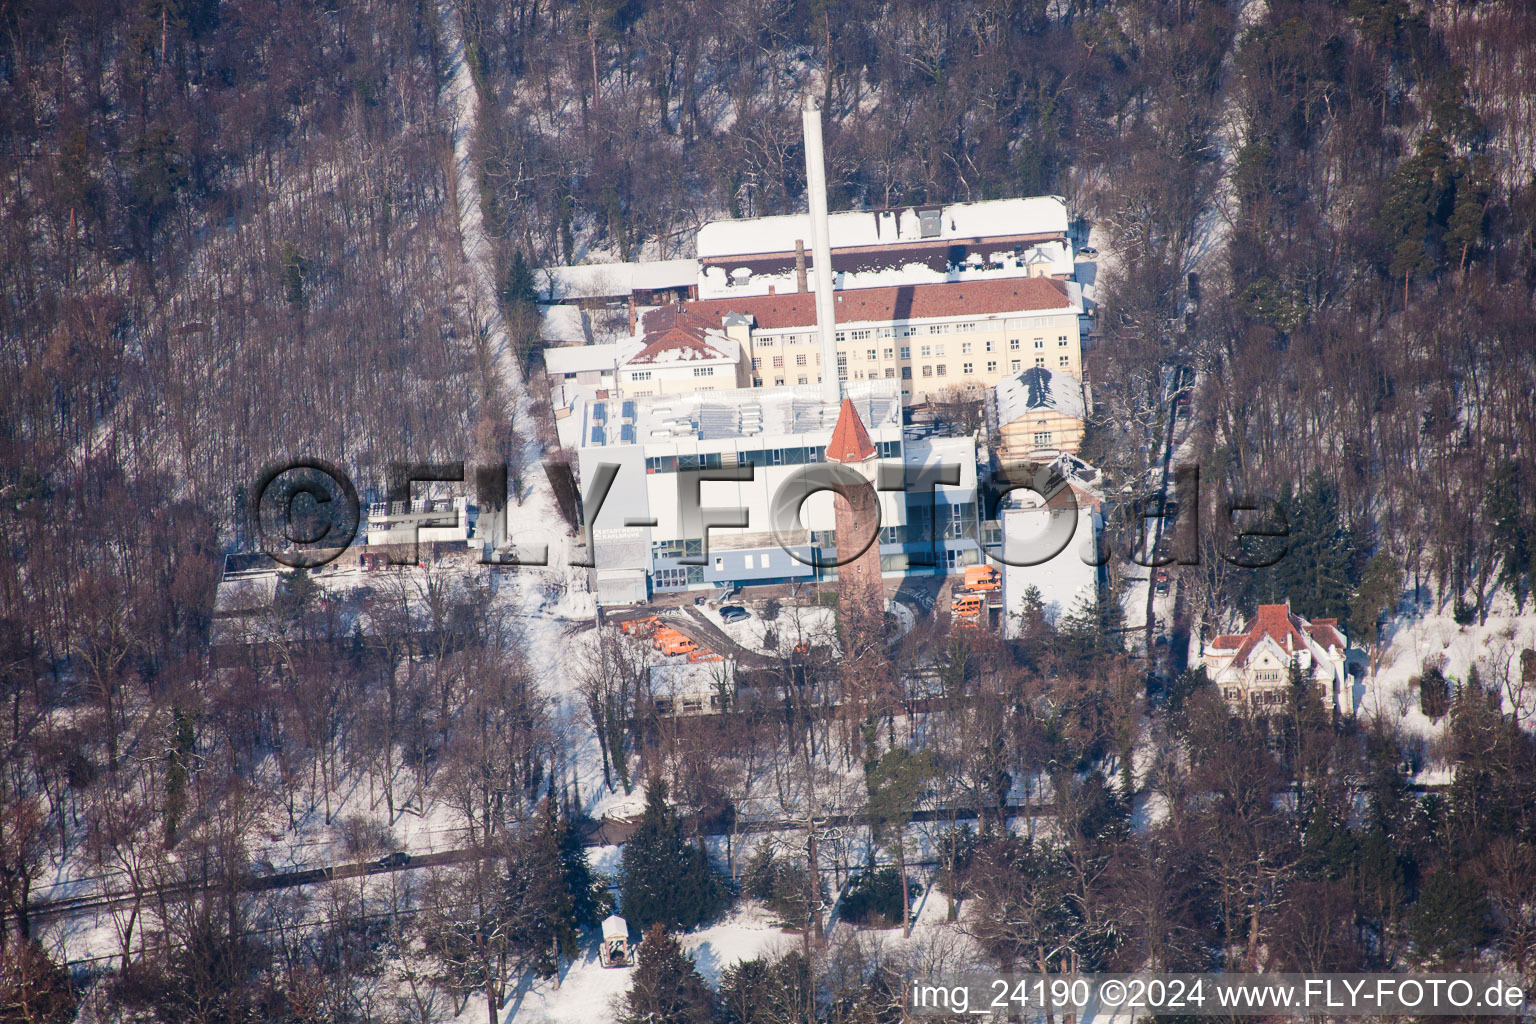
column 664, row 879
column 667, row 988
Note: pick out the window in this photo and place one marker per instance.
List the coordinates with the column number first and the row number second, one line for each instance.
column 906, row 374
column 938, row 350
column 965, row 348
column 1039, row 360
column 860, row 335
column 872, row 355
column 842, row 366
column 938, row 328
column 991, row 366
column 757, row 382
column 1039, row 343
column 800, row 359
column 671, row 579
column 1065, row 361
column 703, row 371
column 885, row 332
column 890, row 353
column 890, row 372
column 778, row 362
column 941, row 369
column 927, row 371
column 967, row 368
column 778, row 382
column 906, row 352
column 1062, row 342
column 840, row 336
column 989, row 345
column 757, row 363
column 1042, row 438
column 640, row 375
column 801, row 380
column 1013, row 344
column 1016, row 366
column 766, row 341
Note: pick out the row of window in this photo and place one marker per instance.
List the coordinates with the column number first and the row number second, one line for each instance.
column 865, row 334
column 641, row 375
column 760, row 457
column 966, row 348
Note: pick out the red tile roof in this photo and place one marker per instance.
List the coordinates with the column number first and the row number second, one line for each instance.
column 1272, row 620
column 1325, row 632
column 903, row 302
column 850, row 441
column 680, row 338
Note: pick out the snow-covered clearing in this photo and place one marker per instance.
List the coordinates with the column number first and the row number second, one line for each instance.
column 1430, row 637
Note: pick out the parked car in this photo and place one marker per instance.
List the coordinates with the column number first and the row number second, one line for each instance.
column 734, row 613
column 398, row 859
column 982, row 577
column 1088, row 252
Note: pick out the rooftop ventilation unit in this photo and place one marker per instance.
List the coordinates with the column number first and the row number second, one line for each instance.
column 929, row 223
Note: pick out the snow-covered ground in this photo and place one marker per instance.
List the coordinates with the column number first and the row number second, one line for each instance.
column 812, row 625
column 1432, row 637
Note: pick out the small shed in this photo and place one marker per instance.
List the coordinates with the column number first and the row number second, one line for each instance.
column 615, row 941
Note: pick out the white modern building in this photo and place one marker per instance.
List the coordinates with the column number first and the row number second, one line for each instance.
column 1050, row 545
column 645, row 539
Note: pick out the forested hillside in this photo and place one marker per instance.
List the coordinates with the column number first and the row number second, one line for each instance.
column 230, row 237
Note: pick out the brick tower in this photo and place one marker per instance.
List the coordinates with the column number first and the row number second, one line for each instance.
column 861, row 595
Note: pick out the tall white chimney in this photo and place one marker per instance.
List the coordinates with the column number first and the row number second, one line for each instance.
column 821, row 248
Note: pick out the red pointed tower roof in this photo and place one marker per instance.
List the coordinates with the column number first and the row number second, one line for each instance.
column 850, row 441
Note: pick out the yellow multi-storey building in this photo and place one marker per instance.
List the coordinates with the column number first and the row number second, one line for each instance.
column 934, row 339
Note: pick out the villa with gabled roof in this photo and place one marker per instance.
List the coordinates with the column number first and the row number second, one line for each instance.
column 1253, row 668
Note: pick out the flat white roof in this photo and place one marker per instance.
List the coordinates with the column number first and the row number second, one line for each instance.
column 764, row 414
column 990, row 219
column 578, row 358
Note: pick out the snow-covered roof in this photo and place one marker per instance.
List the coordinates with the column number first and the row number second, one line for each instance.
column 990, row 219
column 1038, row 389
column 687, row 343
column 689, row 678
column 615, row 280
column 615, row 927
column 563, row 325
column 579, row 358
